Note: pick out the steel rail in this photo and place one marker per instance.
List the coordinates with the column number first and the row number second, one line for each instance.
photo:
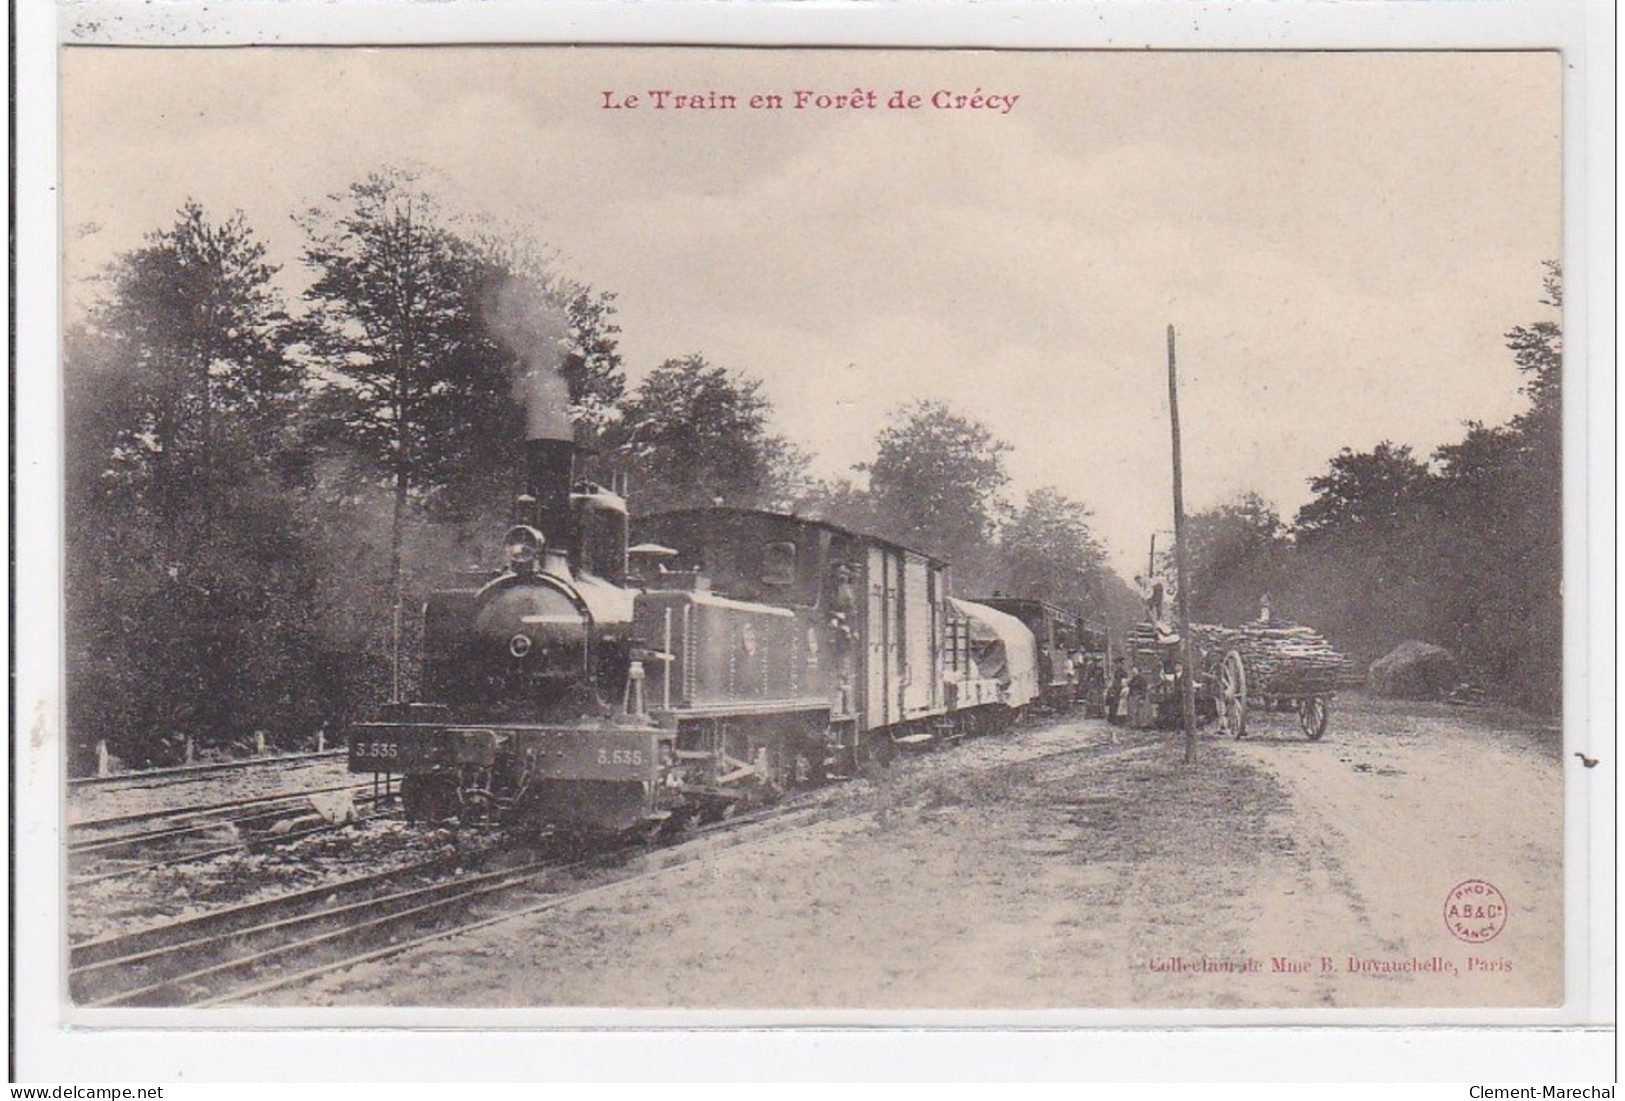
column 267, row 806
column 186, row 771
column 205, row 808
column 85, row 952
column 455, row 892
column 397, row 947
column 137, row 948
column 221, row 850
column 777, row 815
column 147, row 946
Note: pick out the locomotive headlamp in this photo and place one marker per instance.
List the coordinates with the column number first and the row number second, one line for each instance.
column 524, row 548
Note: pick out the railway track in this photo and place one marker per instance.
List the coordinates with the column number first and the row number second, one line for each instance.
column 164, row 777
column 159, row 964
column 209, row 959
column 165, row 838
column 197, row 816
column 240, row 954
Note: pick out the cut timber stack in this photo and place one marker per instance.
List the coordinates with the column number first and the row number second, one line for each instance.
column 1281, row 659
column 1145, row 639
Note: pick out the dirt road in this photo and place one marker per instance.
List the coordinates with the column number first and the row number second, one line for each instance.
column 1054, row 868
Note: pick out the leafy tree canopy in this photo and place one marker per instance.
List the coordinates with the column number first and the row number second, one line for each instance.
column 1538, row 348
column 183, row 555
column 416, row 382
column 937, row 482
column 1233, row 554
column 694, row 433
column 1364, row 491
column 183, row 361
column 1049, row 552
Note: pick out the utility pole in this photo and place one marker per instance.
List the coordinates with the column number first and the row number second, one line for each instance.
column 1187, row 685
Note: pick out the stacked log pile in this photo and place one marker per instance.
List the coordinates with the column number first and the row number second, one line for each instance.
column 1281, row 659
column 1144, row 638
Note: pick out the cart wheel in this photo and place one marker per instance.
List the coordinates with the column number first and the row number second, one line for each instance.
column 1232, row 699
column 1312, row 716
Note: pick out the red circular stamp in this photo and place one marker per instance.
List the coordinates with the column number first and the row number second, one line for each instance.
column 1475, row 911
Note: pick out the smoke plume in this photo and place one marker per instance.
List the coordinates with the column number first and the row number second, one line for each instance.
column 535, row 328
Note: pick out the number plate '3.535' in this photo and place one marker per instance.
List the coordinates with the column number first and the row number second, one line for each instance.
column 592, row 754
column 389, row 747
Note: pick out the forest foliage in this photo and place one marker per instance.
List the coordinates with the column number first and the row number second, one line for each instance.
column 1462, row 548
column 262, row 483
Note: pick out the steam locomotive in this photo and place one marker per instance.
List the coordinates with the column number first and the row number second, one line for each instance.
column 593, row 684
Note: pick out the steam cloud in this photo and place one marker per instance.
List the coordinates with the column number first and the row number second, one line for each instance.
column 536, row 330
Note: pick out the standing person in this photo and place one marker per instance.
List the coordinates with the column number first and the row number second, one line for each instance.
column 1114, row 694
column 1094, row 687
column 1151, row 592
column 843, row 609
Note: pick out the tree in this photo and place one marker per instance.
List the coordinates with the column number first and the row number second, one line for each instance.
column 694, row 433
column 1538, row 348
column 936, row 481
column 1364, row 491
column 181, row 552
column 403, row 326
column 523, row 285
column 1500, row 496
column 596, row 374
column 1049, row 552
column 1236, row 554
column 841, row 502
column 1467, row 551
column 193, row 338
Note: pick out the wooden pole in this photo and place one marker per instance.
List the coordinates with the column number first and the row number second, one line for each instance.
column 1187, row 688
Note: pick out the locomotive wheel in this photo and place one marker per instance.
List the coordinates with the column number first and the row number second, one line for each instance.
column 678, row 826
column 875, row 755
column 1232, row 701
column 1313, row 714
column 428, row 799
column 716, row 810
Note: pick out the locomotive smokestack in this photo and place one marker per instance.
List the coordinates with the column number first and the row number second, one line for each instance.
column 535, row 329
column 550, row 451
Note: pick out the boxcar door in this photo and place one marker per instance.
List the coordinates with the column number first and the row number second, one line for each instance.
column 920, row 631
column 884, row 654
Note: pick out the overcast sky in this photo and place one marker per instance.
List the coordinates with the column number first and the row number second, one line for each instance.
column 1340, row 239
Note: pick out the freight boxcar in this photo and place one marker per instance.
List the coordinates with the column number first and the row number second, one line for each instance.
column 1060, row 636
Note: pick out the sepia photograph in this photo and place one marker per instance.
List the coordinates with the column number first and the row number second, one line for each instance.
column 816, row 531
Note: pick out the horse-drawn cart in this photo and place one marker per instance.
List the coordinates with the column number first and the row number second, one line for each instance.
column 1269, row 665
column 1151, row 692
